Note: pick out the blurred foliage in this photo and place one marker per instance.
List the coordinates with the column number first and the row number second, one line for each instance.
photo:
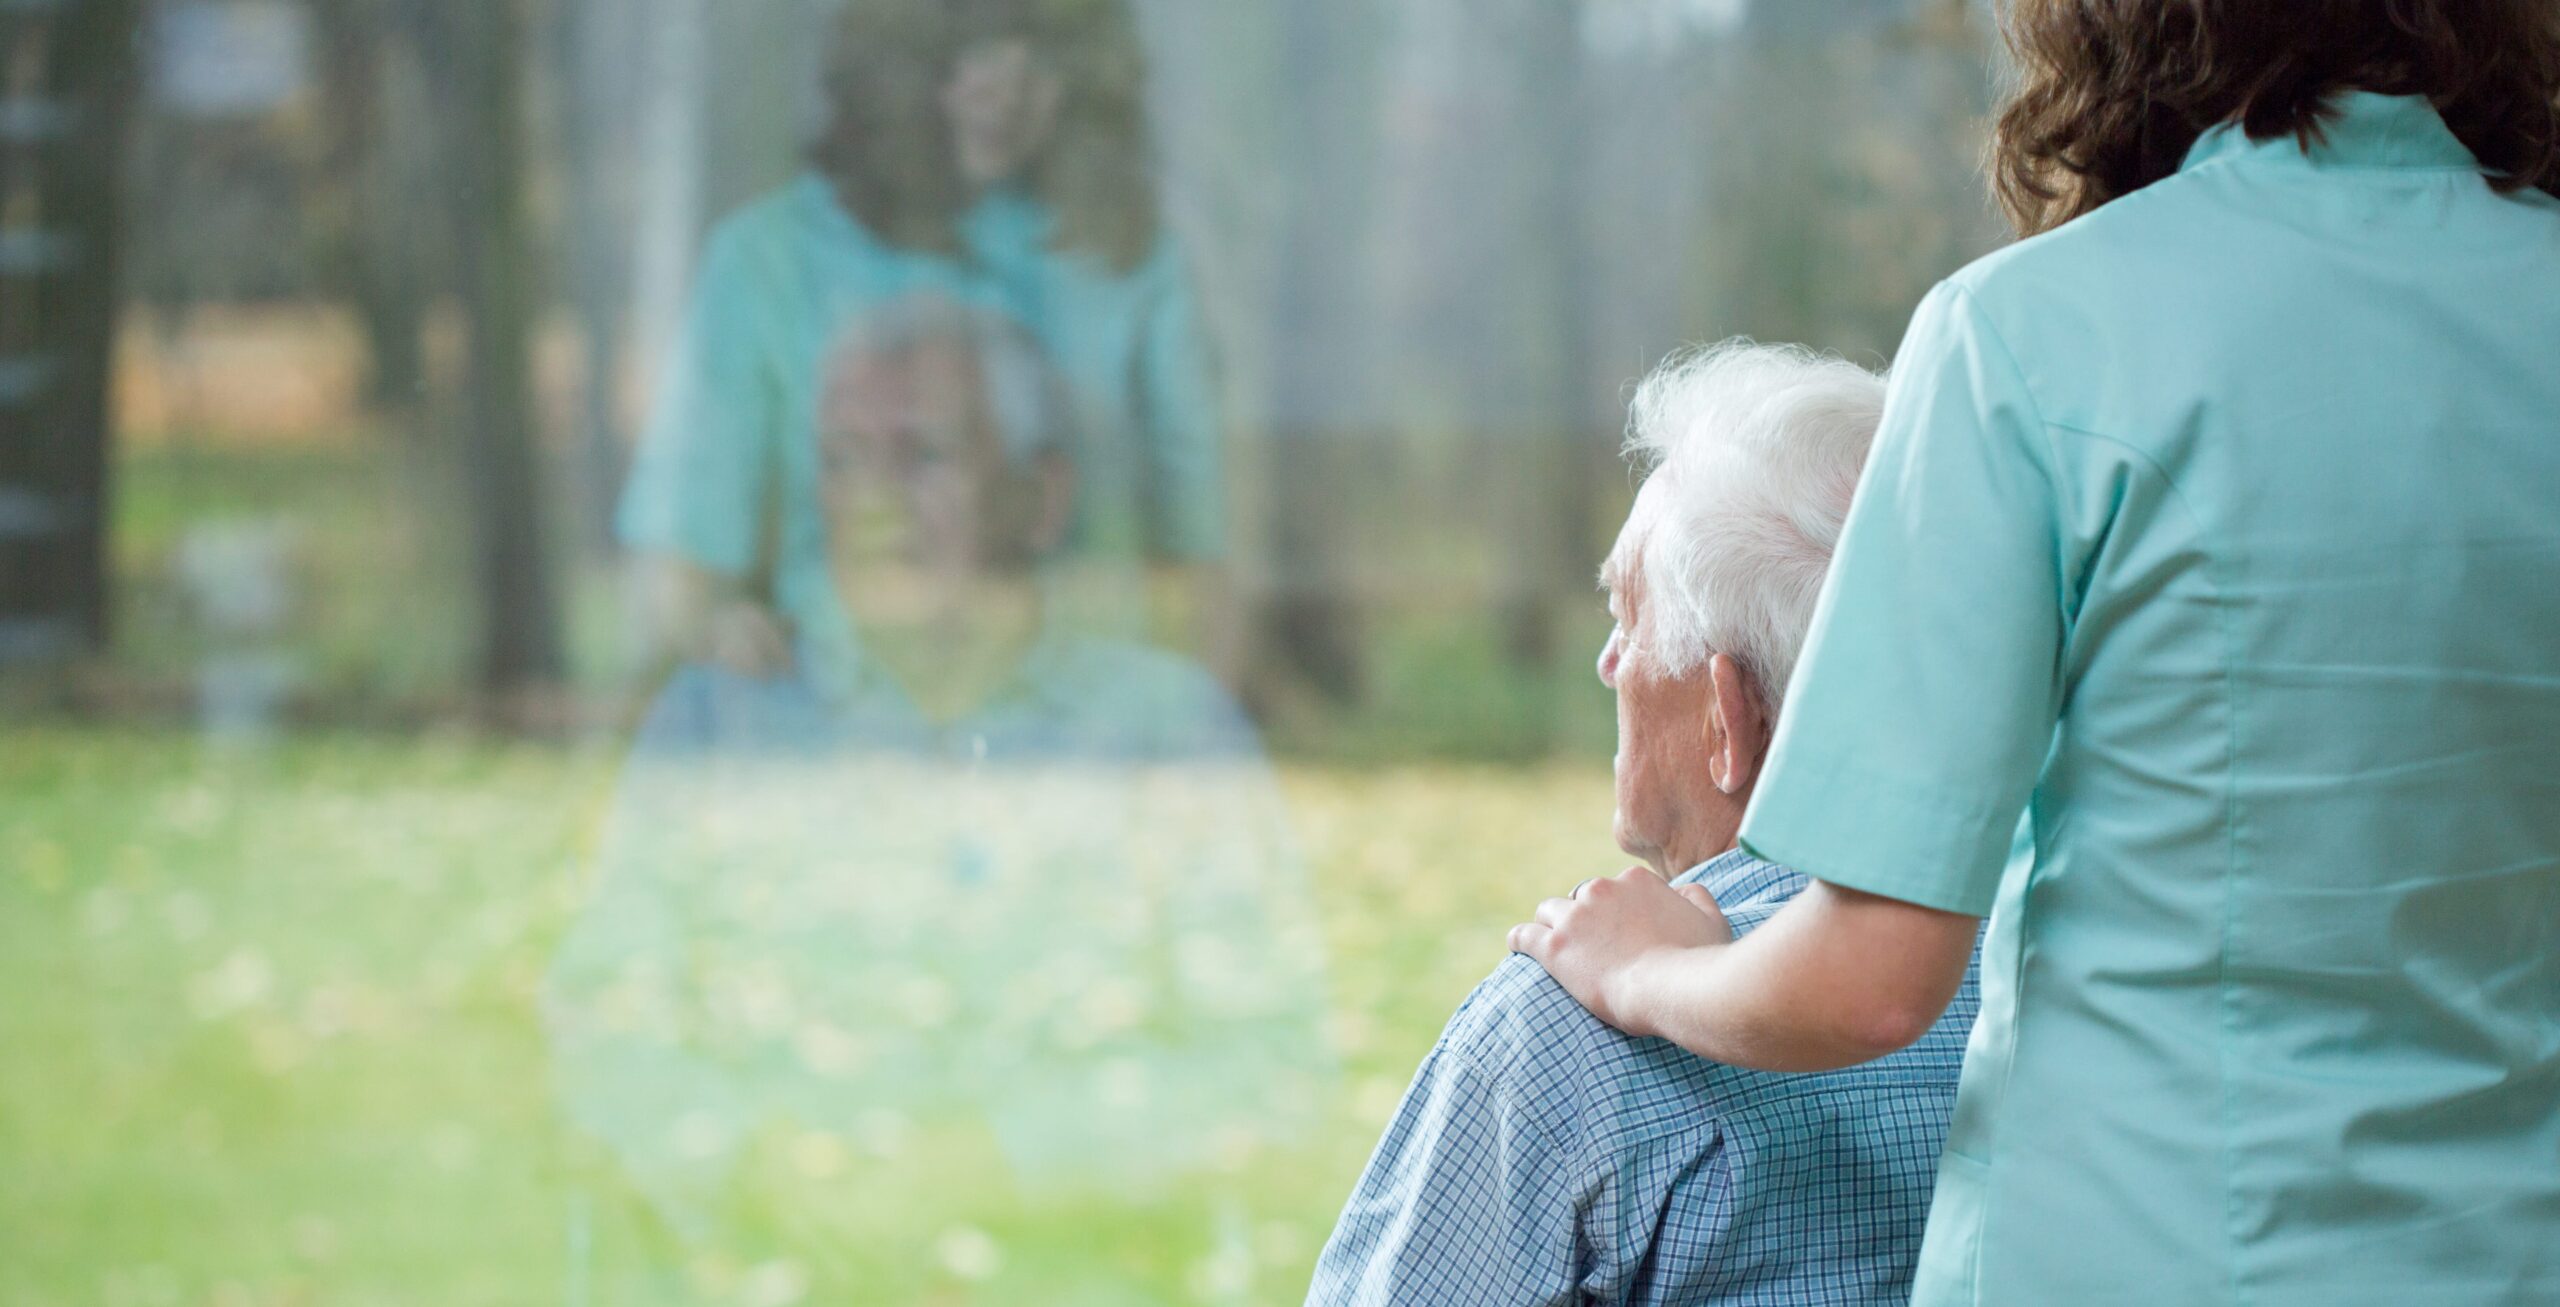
column 273, row 1035
column 379, row 628
column 274, row 1041
column 359, row 567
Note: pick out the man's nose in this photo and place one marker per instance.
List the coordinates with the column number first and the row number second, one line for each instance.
column 1609, row 661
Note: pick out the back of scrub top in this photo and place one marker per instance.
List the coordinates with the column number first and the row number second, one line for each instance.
column 2219, row 531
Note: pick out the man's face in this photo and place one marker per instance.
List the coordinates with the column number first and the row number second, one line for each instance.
column 916, row 474
column 1665, row 796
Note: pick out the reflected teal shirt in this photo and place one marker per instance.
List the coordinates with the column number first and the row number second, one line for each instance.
column 2218, row 532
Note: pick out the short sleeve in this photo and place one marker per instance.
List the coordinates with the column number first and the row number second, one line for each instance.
column 703, row 473
column 1924, row 703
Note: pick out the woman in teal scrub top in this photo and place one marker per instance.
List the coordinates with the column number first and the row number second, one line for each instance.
column 991, row 152
column 2198, row 622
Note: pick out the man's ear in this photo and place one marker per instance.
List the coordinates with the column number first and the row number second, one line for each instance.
column 1740, row 738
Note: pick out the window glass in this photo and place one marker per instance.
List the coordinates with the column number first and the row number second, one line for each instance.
column 769, row 651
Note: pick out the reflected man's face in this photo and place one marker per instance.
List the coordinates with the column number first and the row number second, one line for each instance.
column 916, row 474
column 1003, row 102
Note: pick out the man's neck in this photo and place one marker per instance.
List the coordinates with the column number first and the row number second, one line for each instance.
column 1713, row 831
column 952, row 648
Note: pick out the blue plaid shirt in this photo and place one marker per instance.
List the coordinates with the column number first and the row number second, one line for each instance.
column 1542, row 1157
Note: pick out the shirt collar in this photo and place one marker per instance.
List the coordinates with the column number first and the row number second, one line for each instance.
column 1736, row 877
column 2362, row 130
column 831, row 659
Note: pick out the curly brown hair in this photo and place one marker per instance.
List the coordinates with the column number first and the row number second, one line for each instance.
column 1097, row 172
column 886, row 145
column 2112, row 93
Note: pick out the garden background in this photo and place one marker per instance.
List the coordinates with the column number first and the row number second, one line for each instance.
column 327, row 328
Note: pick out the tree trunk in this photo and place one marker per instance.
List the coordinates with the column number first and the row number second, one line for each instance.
column 1548, row 545
column 58, row 319
column 1309, row 627
column 501, row 463
column 379, row 253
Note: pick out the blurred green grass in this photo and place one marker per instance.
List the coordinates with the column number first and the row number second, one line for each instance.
column 270, row 1038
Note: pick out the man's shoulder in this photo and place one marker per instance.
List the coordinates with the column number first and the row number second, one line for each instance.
column 1519, row 1021
column 1524, row 1037
column 1540, row 1142
column 1523, row 1034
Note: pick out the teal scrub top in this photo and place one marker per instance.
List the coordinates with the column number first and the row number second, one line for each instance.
column 2210, row 547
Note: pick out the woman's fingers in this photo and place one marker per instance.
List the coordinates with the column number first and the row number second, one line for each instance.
column 1531, row 938
column 1537, row 936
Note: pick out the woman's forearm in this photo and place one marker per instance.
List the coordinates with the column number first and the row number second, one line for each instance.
column 1833, row 979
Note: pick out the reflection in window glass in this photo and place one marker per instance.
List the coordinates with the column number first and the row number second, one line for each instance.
column 884, row 651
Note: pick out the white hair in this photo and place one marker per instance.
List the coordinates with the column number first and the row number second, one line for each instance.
column 1025, row 396
column 1750, row 454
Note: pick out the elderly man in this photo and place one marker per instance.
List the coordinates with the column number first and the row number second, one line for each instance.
column 1541, row 1156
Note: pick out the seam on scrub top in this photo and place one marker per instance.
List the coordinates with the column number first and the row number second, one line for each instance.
column 1985, row 1200
column 2223, row 996
column 2215, row 562
column 2229, row 162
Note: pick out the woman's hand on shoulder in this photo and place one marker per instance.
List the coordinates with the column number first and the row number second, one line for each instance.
column 1606, row 941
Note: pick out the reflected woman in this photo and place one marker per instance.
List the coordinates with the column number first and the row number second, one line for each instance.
column 988, row 153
